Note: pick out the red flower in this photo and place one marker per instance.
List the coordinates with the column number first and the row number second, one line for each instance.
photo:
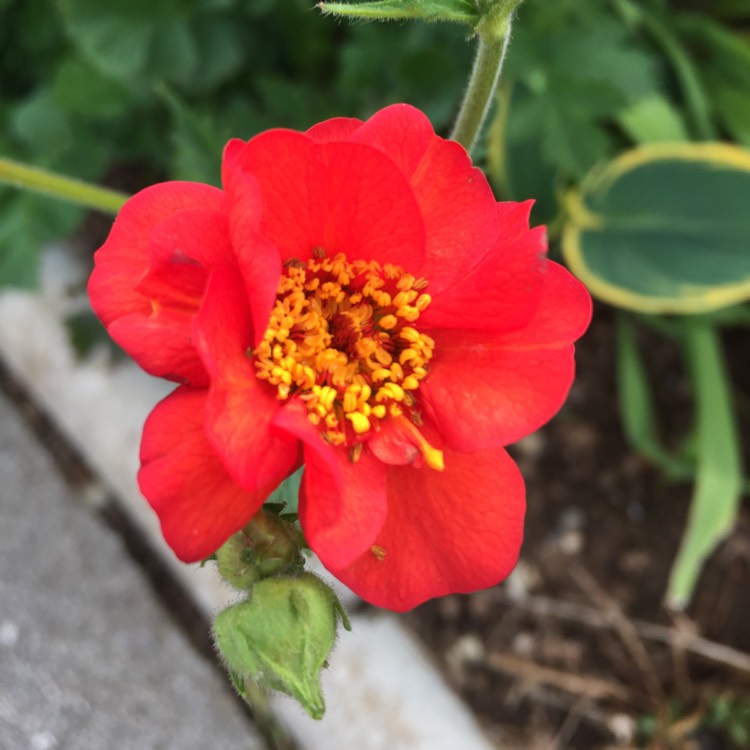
column 354, row 299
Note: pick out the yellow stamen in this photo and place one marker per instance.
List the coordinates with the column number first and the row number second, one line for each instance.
column 343, row 337
column 359, row 421
column 432, row 456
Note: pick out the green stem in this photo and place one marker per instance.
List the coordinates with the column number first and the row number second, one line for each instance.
column 493, row 32
column 67, row 189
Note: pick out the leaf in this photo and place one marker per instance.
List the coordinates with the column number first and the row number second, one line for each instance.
column 718, row 481
column 664, row 229
column 80, row 89
column 725, row 71
column 197, row 151
column 652, row 120
column 636, row 403
column 115, row 43
column 39, row 122
column 518, row 170
column 576, row 67
column 221, row 49
column 287, row 493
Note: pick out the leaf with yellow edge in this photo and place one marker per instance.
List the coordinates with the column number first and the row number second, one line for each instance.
column 664, row 228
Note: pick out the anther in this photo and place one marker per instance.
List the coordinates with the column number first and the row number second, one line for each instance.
column 360, row 423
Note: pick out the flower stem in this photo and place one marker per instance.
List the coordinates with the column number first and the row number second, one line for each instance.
column 493, row 32
column 67, row 189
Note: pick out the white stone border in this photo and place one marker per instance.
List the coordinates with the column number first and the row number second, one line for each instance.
column 382, row 692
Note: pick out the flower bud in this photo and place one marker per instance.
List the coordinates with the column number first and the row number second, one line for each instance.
column 280, row 638
column 269, row 545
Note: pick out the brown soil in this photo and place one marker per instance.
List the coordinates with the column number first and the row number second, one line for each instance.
column 577, row 650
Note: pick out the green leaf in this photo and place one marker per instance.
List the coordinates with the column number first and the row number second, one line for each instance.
column 220, row 45
column 636, row 403
column 40, row 123
column 684, row 69
column 197, row 150
column 652, row 120
column 573, row 67
column 719, row 475
column 725, row 71
column 664, row 229
column 287, row 493
column 82, row 90
column 517, row 169
column 173, row 53
column 115, row 43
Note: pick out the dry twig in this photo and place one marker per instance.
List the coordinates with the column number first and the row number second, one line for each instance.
column 592, row 617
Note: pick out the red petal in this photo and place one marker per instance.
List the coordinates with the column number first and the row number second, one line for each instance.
column 459, row 213
column 335, row 129
column 455, row 199
column 481, row 394
column 563, row 315
column 182, row 250
column 240, row 407
column 162, row 345
column 197, row 502
column 342, row 504
column 400, row 131
column 342, row 197
column 124, row 258
column 502, row 292
column 258, row 259
column 454, row 531
column 157, row 283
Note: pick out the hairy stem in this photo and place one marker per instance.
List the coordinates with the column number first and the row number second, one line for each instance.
column 493, row 34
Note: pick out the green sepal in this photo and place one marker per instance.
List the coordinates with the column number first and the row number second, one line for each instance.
column 280, row 638
column 269, row 545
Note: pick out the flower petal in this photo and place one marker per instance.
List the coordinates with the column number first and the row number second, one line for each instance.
column 454, row 531
column 401, row 132
column 481, row 394
column 342, row 197
column 198, row 503
column 335, row 129
column 162, row 345
column 154, row 323
column 240, row 407
column 502, row 292
column 124, row 258
column 563, row 315
column 459, row 213
column 258, row 258
column 455, row 199
column 342, row 504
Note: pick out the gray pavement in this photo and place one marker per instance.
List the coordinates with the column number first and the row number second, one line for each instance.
column 88, row 658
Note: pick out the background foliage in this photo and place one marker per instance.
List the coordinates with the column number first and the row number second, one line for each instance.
column 132, row 91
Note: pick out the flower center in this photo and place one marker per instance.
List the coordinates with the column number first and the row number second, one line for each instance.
column 342, row 339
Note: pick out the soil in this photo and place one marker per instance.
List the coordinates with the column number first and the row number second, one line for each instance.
column 576, row 649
